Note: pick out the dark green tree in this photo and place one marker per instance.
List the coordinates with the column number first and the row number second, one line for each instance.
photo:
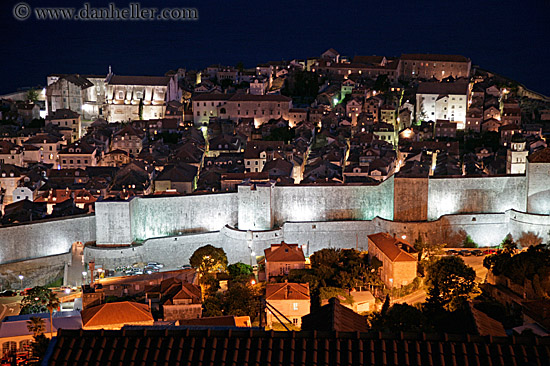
column 402, row 318
column 469, row 243
column 240, row 272
column 242, row 299
column 450, row 283
column 209, row 259
column 36, row 300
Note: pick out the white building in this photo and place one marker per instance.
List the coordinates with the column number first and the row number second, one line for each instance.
column 447, row 101
column 516, row 156
column 136, row 97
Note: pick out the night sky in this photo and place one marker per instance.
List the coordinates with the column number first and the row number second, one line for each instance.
column 507, row 37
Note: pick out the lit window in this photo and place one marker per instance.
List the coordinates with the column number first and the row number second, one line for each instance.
column 295, row 306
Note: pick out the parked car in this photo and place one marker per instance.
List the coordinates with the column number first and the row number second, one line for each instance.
column 186, row 266
column 8, row 293
column 452, row 252
column 477, row 252
column 489, row 251
column 465, row 253
column 155, row 264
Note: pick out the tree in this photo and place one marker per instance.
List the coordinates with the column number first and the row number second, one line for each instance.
column 39, row 346
column 36, row 326
column 508, row 243
column 208, row 259
column 240, row 271
column 35, row 301
column 450, row 283
column 52, row 304
column 242, row 299
column 469, row 243
column 401, row 318
column 32, row 95
column 386, row 305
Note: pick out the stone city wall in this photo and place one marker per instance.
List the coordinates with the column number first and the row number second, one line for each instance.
column 44, row 238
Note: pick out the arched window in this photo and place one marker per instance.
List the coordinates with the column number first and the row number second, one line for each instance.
column 222, row 111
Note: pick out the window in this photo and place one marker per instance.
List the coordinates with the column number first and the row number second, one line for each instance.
column 295, row 306
column 120, row 95
column 295, row 321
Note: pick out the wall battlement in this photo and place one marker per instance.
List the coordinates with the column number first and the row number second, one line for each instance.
column 487, row 208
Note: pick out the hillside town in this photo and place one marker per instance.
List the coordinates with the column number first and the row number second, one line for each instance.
column 330, row 120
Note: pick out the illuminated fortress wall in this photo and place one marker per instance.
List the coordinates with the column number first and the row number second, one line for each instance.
column 44, row 238
column 331, row 203
column 475, row 195
column 538, row 182
column 164, row 216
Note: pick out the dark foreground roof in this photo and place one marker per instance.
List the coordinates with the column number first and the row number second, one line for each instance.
column 150, row 346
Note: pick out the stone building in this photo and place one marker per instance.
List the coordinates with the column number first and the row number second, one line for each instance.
column 443, row 100
column 429, row 66
column 136, row 97
column 397, row 257
column 237, row 106
column 78, row 155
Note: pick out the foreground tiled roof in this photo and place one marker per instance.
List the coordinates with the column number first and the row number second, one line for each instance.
column 255, row 347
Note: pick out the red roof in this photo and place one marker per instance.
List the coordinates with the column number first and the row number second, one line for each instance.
column 284, row 253
column 390, row 246
column 287, row 291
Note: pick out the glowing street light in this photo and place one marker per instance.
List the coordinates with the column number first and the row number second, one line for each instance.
column 21, row 279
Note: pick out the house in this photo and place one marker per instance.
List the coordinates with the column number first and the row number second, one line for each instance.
column 388, row 114
column 66, row 118
column 128, row 139
column 286, row 300
column 186, row 304
column 181, row 177
column 10, row 175
column 491, row 124
column 281, row 258
column 257, row 153
column 397, row 257
column 296, row 115
column 48, row 145
column 79, row 154
column 11, row 153
column 491, row 112
column 445, row 129
column 115, row 158
column 115, row 315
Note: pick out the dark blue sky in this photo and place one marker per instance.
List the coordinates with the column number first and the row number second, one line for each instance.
column 508, row 37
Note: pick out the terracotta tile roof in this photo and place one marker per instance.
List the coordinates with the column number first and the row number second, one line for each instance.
column 177, row 346
column 541, row 156
column 456, row 88
column 259, row 98
column 287, row 291
column 208, row 97
column 389, row 246
column 124, row 312
column 188, row 291
column 219, row 321
column 63, row 113
column 284, row 253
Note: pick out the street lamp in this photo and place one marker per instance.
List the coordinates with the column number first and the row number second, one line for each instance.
column 21, row 279
column 84, row 274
